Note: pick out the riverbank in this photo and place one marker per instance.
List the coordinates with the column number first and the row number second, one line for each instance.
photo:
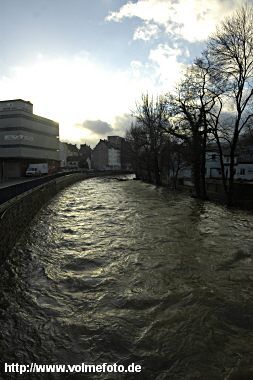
column 17, row 212
column 243, row 191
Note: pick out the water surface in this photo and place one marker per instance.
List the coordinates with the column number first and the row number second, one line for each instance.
column 122, row 271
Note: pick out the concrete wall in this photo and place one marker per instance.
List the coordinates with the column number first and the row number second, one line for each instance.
column 17, row 213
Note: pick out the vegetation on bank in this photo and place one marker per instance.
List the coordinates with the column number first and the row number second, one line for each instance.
column 213, row 103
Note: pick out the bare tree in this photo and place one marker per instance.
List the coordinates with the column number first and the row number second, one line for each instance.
column 231, row 52
column 174, row 157
column 188, row 109
column 139, row 150
column 150, row 116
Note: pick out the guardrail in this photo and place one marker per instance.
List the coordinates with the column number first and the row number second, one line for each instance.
column 9, row 192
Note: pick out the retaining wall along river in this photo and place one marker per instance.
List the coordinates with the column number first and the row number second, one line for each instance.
column 17, row 213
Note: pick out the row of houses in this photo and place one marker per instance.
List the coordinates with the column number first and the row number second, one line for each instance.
column 72, row 157
column 26, row 138
column 243, row 165
column 109, row 154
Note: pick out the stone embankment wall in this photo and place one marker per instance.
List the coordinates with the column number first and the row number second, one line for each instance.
column 17, row 213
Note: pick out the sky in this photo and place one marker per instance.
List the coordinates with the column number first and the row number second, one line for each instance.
column 85, row 63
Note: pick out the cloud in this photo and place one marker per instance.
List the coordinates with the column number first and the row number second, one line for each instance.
column 167, row 63
column 146, row 32
column 76, row 88
column 147, row 10
column 121, row 123
column 80, row 89
column 180, row 28
column 98, row 127
column 192, row 20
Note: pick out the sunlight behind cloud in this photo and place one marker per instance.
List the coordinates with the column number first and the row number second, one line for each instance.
column 168, row 67
column 146, row 32
column 72, row 90
column 192, row 20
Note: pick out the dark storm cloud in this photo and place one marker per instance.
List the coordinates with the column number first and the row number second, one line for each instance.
column 122, row 123
column 97, row 126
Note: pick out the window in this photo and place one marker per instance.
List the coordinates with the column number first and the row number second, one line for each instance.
column 242, row 171
column 213, row 157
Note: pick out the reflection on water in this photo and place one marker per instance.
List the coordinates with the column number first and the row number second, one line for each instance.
column 121, row 271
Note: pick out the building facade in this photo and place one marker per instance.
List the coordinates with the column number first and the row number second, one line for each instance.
column 111, row 154
column 114, row 162
column 243, row 166
column 99, row 157
column 63, row 154
column 25, row 138
column 106, row 156
column 85, row 151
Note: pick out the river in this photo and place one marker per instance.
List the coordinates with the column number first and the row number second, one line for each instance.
column 122, row 271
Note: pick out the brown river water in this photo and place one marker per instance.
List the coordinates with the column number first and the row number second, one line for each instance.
column 120, row 272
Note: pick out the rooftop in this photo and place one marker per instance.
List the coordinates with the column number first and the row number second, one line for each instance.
column 15, row 100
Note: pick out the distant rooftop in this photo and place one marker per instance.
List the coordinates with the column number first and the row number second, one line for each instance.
column 15, row 100
column 12, row 107
column 16, row 104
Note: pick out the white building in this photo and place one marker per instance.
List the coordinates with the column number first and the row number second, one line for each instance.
column 69, row 155
column 106, row 156
column 114, row 158
column 243, row 165
column 25, row 138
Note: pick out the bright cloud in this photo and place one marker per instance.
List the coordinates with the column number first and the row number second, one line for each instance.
column 67, row 90
column 168, row 67
column 77, row 88
column 146, row 32
column 192, row 20
column 70, row 90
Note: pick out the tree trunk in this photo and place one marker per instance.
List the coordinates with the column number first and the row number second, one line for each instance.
column 196, row 165
column 156, row 170
column 230, row 194
column 203, row 168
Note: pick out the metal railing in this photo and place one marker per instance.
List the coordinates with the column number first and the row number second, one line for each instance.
column 9, row 192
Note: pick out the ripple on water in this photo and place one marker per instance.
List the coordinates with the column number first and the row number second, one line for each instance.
column 122, row 271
